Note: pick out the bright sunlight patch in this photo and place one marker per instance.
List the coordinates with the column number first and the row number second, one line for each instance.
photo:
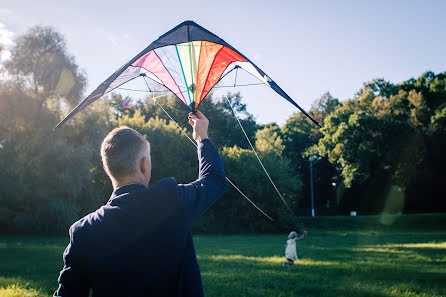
column 15, row 290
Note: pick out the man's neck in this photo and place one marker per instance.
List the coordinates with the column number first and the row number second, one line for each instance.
column 127, row 181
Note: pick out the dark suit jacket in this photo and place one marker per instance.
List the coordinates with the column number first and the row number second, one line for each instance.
column 140, row 243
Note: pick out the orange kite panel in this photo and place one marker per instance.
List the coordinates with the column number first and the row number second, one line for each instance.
column 208, row 51
column 223, row 58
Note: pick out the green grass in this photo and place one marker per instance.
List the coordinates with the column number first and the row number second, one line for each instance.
column 349, row 262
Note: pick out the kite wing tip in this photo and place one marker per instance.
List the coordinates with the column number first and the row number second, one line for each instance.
column 60, row 124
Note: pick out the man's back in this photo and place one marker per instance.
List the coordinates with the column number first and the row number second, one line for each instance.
column 135, row 244
column 139, row 243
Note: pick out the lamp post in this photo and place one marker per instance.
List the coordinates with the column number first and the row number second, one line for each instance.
column 313, row 159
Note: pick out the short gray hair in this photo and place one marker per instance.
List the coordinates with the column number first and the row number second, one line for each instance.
column 121, row 151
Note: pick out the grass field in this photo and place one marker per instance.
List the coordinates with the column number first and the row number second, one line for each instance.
column 352, row 262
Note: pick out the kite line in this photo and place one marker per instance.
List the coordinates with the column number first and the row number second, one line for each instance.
column 258, row 158
column 195, row 144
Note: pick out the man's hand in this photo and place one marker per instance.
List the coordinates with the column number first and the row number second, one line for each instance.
column 200, row 124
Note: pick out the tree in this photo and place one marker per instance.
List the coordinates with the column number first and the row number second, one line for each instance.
column 300, row 133
column 41, row 64
column 300, row 137
column 42, row 175
column 324, row 106
column 269, row 140
column 383, row 138
column 48, row 175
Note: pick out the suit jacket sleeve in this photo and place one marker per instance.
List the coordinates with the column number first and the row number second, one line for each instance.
column 72, row 279
column 198, row 196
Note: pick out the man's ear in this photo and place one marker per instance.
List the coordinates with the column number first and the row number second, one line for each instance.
column 144, row 165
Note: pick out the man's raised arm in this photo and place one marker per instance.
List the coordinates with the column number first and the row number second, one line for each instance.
column 199, row 195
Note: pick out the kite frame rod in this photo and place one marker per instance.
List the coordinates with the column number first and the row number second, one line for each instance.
column 168, row 91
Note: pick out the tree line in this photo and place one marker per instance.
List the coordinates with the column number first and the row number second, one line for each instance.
column 381, row 151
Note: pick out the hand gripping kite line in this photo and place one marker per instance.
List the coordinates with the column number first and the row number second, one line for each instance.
column 187, row 61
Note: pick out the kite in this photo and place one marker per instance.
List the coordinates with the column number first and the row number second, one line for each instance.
column 188, row 61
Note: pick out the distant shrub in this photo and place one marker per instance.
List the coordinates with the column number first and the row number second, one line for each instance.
column 52, row 217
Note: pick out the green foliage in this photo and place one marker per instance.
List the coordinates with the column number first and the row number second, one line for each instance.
column 268, row 140
column 438, row 121
column 385, row 136
column 226, row 131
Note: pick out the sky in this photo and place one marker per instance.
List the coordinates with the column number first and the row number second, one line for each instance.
column 307, row 47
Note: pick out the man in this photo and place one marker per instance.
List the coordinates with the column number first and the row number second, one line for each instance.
column 140, row 243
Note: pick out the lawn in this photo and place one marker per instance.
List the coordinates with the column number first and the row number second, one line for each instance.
column 350, row 262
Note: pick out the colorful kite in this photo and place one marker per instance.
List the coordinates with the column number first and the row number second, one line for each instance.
column 188, row 61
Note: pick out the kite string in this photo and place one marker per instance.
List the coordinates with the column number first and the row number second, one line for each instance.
column 258, row 158
column 184, row 132
column 246, row 197
column 235, row 187
column 193, row 142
